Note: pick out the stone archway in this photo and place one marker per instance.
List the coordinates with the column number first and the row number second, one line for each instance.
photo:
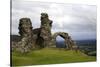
column 68, row 41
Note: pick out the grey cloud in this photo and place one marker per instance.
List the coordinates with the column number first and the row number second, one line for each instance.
column 70, row 18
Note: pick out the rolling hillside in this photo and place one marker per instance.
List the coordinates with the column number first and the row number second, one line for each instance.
column 49, row 56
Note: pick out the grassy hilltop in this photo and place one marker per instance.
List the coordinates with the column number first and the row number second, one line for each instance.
column 49, row 56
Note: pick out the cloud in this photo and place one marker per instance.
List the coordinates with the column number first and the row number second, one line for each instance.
column 71, row 18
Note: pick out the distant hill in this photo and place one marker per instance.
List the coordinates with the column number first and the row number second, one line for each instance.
column 91, row 42
column 15, row 38
column 86, row 46
column 86, row 42
column 60, row 44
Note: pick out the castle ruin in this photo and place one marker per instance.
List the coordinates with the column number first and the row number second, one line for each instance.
column 42, row 37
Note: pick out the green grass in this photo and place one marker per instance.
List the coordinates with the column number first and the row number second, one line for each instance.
column 49, row 56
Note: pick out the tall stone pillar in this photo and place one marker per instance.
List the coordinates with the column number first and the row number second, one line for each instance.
column 46, row 25
column 25, row 31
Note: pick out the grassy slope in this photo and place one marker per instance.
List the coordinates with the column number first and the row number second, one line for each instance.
column 49, row 56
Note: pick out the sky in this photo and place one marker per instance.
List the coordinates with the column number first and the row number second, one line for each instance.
column 79, row 20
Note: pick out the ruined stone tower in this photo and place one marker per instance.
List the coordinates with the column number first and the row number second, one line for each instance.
column 46, row 25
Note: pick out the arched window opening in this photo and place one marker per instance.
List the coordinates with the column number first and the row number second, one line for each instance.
column 60, row 42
